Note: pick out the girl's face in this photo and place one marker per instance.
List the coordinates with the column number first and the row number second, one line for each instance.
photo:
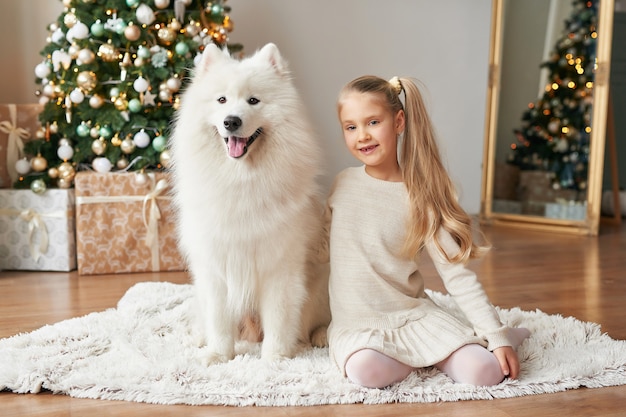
column 371, row 131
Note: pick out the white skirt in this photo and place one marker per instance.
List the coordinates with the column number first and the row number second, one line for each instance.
column 423, row 338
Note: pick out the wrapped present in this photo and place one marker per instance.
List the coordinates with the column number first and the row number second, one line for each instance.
column 569, row 210
column 18, row 123
column 37, row 230
column 125, row 223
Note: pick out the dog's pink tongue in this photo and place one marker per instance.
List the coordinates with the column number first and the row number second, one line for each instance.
column 236, row 146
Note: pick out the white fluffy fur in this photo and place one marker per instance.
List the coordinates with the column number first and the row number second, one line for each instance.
column 248, row 225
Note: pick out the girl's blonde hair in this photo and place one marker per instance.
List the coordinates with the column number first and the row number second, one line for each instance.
column 432, row 198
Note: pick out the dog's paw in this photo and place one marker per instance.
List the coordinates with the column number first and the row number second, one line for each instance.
column 214, row 358
column 319, row 337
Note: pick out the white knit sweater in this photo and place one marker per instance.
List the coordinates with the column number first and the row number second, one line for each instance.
column 377, row 298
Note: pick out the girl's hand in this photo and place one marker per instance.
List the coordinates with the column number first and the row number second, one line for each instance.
column 509, row 363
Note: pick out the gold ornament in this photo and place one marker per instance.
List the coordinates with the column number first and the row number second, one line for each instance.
column 70, row 19
column 127, row 146
column 175, row 25
column 64, row 183
column 39, row 163
column 122, row 163
column 87, row 80
column 98, row 146
column 228, row 24
column 166, row 35
column 121, row 103
column 115, row 140
column 66, row 171
column 53, row 172
column 108, row 53
column 165, row 158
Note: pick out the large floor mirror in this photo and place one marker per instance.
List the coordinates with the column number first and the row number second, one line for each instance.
column 546, row 114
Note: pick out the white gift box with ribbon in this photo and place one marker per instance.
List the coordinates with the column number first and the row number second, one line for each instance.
column 37, row 232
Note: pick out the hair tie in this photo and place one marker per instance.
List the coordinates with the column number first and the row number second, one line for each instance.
column 395, row 83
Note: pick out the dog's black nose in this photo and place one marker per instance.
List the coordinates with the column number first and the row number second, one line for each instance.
column 232, row 123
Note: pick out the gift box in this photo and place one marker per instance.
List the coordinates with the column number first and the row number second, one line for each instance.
column 125, row 223
column 569, row 210
column 37, row 230
column 18, row 123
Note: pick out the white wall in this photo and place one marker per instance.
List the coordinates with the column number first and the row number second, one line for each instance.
column 328, row 42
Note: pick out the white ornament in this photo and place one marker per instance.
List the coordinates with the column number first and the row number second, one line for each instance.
column 65, row 152
column 145, row 15
column 42, row 70
column 173, row 84
column 141, row 139
column 140, row 85
column 161, row 4
column 22, row 166
column 102, row 165
column 58, row 36
column 77, row 96
column 78, row 31
column 85, row 56
column 60, row 58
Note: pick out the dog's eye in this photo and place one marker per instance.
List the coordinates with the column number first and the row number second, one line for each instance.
column 253, row 101
column 221, row 100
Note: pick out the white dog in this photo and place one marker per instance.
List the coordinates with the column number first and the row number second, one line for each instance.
column 245, row 163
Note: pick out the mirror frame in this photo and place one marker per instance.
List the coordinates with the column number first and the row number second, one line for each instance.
column 590, row 225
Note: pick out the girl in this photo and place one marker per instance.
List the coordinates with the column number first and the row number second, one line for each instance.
column 379, row 218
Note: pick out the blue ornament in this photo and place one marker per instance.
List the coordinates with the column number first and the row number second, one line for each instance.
column 106, row 132
column 134, row 105
column 82, row 130
column 159, row 143
column 97, row 29
column 182, row 48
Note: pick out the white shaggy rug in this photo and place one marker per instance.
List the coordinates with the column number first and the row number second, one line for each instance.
column 144, row 351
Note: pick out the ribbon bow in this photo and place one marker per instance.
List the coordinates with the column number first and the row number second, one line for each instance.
column 35, row 223
column 151, row 219
column 16, row 140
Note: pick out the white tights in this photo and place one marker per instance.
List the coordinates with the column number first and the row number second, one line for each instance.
column 470, row 364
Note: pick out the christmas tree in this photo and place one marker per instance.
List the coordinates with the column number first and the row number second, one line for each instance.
column 110, row 79
column 556, row 128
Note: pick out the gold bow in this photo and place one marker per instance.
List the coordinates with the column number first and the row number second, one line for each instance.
column 151, row 217
column 16, row 140
column 151, row 221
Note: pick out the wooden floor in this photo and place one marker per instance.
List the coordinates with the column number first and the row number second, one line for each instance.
column 584, row 277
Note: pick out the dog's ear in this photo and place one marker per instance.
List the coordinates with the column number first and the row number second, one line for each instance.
column 211, row 55
column 271, row 54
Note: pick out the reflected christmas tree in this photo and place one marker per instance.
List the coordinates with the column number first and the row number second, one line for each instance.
column 556, row 128
column 110, row 79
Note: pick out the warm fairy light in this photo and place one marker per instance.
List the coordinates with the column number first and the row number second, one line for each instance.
column 546, row 112
column 589, row 84
column 571, row 84
column 513, row 146
column 565, row 130
column 531, row 105
column 588, row 129
column 594, row 35
column 555, row 86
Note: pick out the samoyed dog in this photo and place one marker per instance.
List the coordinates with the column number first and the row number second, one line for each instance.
column 245, row 164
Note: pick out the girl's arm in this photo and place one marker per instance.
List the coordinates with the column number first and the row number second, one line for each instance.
column 462, row 284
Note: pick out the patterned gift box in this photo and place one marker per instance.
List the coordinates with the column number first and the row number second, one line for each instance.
column 37, row 230
column 125, row 223
column 18, row 123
